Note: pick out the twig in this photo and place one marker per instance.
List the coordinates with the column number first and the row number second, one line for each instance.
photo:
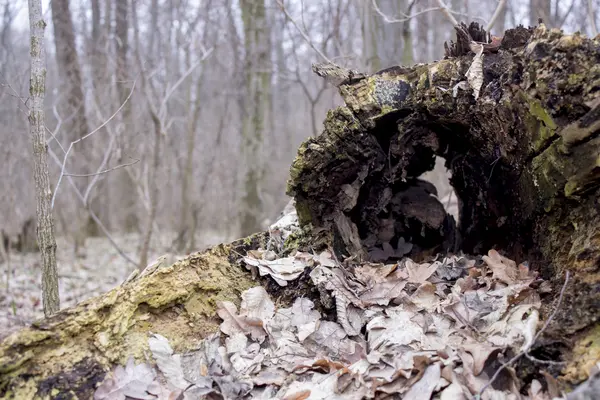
column 407, row 17
column 446, row 11
column 564, row 18
column 64, row 163
column 492, row 170
column 93, row 215
column 495, row 15
column 170, row 91
column 102, row 165
column 526, row 350
column 549, row 362
column 105, row 171
column 304, row 35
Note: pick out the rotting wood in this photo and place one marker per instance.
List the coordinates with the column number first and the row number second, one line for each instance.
column 70, row 353
column 524, row 159
column 524, row 162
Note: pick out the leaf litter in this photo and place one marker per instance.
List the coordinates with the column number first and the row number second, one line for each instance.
column 438, row 330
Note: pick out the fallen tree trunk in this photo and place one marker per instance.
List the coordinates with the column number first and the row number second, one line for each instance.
column 68, row 355
column 523, row 148
column 524, row 163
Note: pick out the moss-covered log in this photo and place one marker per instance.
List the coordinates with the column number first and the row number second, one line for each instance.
column 524, row 156
column 68, row 355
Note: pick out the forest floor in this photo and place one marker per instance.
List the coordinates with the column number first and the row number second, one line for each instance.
column 97, row 269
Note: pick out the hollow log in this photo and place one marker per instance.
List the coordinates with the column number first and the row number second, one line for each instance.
column 523, row 150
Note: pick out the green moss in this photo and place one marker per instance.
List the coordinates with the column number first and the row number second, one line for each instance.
column 539, row 123
column 292, row 243
column 586, row 354
column 571, row 187
column 423, row 82
column 304, row 214
column 537, row 110
column 547, row 172
column 575, row 79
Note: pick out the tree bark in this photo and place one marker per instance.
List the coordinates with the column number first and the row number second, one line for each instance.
column 523, row 157
column 45, row 222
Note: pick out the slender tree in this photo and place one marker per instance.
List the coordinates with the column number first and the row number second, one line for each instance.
column 72, row 109
column 123, row 180
column 45, row 222
column 256, row 108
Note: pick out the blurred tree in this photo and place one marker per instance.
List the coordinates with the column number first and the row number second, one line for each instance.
column 257, row 105
column 72, row 110
column 123, row 179
column 540, row 9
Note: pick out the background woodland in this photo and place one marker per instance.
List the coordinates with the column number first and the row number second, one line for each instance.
column 171, row 124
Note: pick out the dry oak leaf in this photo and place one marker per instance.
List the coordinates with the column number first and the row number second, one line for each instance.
column 419, row 273
column 503, row 269
column 234, row 323
column 131, row 381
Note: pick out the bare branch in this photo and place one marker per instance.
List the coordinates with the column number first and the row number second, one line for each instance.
column 495, row 15
column 64, row 163
column 187, row 73
column 567, row 13
column 110, row 118
column 408, row 17
column 304, row 35
column 93, row 215
column 107, row 154
column 136, row 160
column 447, row 12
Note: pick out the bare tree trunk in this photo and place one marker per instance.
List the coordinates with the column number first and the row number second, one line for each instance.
column 153, row 168
column 407, row 37
column 187, row 226
column 152, row 192
column 72, row 110
column 256, row 108
column 98, row 60
column 370, row 34
column 45, row 225
column 123, row 178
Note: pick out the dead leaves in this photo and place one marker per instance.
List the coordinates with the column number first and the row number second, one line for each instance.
column 281, row 270
column 418, row 331
column 133, row 381
column 256, row 309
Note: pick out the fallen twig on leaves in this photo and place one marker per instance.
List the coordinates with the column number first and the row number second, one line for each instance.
column 525, row 352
